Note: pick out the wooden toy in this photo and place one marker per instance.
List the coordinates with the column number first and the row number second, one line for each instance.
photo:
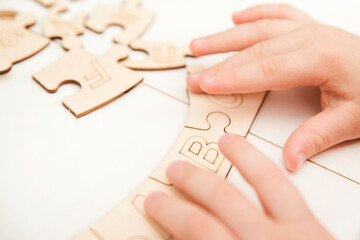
column 101, row 79
column 16, row 41
column 133, row 19
column 198, row 144
column 46, row 3
column 55, row 27
column 161, row 56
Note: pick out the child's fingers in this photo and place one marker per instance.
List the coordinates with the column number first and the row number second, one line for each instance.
column 321, row 132
column 218, row 196
column 242, row 36
column 275, row 46
column 184, row 220
column 274, row 73
column 278, row 196
column 270, row 11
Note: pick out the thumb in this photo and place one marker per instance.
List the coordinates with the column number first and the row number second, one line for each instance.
column 320, row 132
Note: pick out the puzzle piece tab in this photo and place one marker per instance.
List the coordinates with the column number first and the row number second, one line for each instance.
column 161, row 56
column 101, row 79
column 134, row 21
column 55, row 27
column 16, row 42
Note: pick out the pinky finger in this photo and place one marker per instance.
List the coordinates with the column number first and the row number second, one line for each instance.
column 270, row 11
column 184, row 220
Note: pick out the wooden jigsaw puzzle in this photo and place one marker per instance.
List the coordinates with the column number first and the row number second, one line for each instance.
column 16, row 41
column 102, row 79
column 160, row 56
column 55, row 27
column 130, row 16
column 198, row 144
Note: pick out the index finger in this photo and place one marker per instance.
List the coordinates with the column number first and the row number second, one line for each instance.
column 278, row 196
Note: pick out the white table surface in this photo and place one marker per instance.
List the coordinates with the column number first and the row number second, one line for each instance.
column 59, row 174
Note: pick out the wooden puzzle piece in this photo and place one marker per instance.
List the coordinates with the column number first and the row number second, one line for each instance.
column 198, row 144
column 133, row 19
column 46, row 3
column 101, row 79
column 241, row 108
column 161, row 56
column 55, row 27
column 128, row 220
column 16, row 42
column 199, row 147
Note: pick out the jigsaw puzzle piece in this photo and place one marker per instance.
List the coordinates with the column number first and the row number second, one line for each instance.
column 241, row 108
column 199, row 147
column 134, row 21
column 102, row 79
column 129, row 220
column 46, row 3
column 68, row 31
column 160, row 56
column 16, row 42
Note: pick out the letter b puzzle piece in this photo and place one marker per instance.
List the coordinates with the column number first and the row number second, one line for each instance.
column 133, row 19
column 101, row 79
column 16, row 42
column 161, row 56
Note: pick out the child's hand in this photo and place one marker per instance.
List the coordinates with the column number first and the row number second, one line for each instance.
column 220, row 211
column 279, row 48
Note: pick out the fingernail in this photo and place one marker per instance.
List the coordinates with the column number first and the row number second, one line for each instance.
column 300, row 159
column 228, row 138
column 199, row 41
column 153, row 200
column 194, row 76
column 174, row 169
column 209, row 79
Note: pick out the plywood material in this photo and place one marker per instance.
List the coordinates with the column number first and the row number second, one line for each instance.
column 16, row 41
column 133, row 19
column 160, row 56
column 101, row 79
column 68, row 31
column 46, row 3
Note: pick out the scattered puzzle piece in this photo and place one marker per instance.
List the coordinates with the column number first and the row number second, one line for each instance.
column 46, row 3
column 133, row 19
column 54, row 27
column 161, row 56
column 16, row 42
column 101, row 79
column 198, row 144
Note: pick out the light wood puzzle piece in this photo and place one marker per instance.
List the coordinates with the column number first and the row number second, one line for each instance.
column 161, row 56
column 128, row 220
column 68, row 31
column 16, row 41
column 134, row 21
column 198, row 145
column 132, row 3
column 101, row 79
column 46, row 3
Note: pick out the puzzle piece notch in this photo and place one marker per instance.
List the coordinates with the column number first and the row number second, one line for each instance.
column 102, row 79
column 16, row 41
column 46, row 3
column 160, row 56
column 134, row 21
column 68, row 31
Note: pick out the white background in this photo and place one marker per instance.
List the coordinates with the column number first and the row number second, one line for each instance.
column 59, row 174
